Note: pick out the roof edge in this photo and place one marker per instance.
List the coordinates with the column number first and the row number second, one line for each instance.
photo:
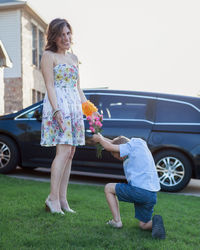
column 21, row 5
column 6, row 62
column 13, row 4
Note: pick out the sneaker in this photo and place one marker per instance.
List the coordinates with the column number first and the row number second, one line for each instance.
column 115, row 224
column 158, row 229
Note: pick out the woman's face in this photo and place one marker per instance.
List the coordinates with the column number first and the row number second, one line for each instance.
column 63, row 41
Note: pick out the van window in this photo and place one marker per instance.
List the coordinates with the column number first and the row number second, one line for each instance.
column 169, row 111
column 122, row 107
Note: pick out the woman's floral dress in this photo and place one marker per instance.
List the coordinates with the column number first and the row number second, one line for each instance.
column 68, row 99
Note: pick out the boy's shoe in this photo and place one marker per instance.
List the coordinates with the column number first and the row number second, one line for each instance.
column 115, row 224
column 158, row 229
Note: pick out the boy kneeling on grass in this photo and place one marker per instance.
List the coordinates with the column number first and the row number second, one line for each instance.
column 143, row 183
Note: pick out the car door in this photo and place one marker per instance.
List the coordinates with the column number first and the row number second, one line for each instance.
column 32, row 152
column 85, row 154
column 128, row 115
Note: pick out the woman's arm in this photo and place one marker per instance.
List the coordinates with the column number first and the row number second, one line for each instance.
column 80, row 91
column 47, row 65
column 47, row 71
column 82, row 95
column 88, row 108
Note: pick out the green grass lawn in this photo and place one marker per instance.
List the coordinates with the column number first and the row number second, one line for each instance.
column 24, row 224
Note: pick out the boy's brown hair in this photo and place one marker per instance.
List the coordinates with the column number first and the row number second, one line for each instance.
column 120, row 140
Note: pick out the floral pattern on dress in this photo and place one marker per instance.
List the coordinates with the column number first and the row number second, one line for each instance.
column 64, row 74
column 68, row 99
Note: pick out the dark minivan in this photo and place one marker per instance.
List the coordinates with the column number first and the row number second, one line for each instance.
column 170, row 124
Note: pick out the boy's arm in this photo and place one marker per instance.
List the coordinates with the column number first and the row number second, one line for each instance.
column 105, row 142
column 107, row 139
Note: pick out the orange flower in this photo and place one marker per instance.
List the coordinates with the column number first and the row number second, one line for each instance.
column 88, row 108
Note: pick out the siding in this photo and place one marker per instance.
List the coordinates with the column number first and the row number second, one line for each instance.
column 10, row 34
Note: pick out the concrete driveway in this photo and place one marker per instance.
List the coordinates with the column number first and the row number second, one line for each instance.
column 193, row 188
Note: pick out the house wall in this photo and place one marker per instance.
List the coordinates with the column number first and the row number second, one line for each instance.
column 12, row 94
column 23, row 77
column 10, row 28
column 32, row 76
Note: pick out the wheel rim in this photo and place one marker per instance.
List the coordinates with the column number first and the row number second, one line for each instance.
column 170, row 170
column 4, row 155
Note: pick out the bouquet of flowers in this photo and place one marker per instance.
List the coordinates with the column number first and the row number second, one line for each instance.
column 96, row 127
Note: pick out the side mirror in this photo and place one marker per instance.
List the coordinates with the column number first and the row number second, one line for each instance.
column 38, row 114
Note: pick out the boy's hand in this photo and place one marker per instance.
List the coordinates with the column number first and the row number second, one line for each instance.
column 96, row 137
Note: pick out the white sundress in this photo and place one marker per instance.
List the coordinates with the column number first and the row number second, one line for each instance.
column 68, row 99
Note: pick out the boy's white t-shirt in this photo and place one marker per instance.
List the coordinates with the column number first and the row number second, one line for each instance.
column 139, row 167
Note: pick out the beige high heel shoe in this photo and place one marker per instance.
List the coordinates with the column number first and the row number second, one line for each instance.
column 49, row 207
column 68, row 210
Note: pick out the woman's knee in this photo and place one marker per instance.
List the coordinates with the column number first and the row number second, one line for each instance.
column 64, row 151
column 73, row 149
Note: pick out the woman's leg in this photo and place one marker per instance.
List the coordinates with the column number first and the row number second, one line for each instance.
column 64, row 182
column 112, row 201
column 57, row 170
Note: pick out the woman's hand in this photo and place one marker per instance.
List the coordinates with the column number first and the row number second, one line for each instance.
column 95, row 114
column 59, row 119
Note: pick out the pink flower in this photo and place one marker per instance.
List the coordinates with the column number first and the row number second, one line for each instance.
column 92, row 129
column 95, row 127
column 99, row 124
column 100, row 117
column 89, row 118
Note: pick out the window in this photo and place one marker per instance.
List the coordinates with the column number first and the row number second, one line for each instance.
column 37, row 45
column 37, row 96
column 32, row 114
column 41, row 44
column 169, row 111
column 33, row 96
column 34, row 45
column 122, row 107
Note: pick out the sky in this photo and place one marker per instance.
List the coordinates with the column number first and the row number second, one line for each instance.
column 145, row 45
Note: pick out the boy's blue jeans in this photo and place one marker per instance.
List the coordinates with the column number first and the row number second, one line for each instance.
column 143, row 200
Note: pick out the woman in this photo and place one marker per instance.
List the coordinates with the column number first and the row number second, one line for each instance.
column 62, row 122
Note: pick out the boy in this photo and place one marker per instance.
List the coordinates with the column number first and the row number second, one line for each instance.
column 143, row 183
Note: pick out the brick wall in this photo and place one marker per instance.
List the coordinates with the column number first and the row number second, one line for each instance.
column 12, row 94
